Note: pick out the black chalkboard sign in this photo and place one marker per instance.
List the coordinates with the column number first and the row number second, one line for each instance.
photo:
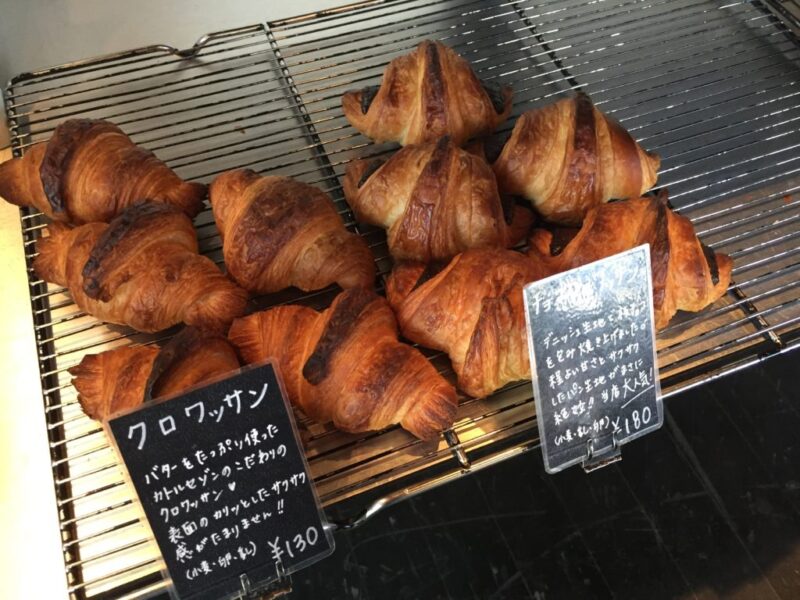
column 593, row 360
column 222, row 479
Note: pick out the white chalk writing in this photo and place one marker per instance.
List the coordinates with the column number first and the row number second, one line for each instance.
column 167, row 424
column 592, row 347
column 220, row 474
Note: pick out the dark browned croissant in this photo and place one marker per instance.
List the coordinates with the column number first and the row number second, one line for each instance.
column 687, row 275
column 123, row 378
column 435, row 200
column 91, row 171
column 472, row 310
column 141, row 270
column 278, row 233
column 568, row 157
column 427, row 94
column 346, row 365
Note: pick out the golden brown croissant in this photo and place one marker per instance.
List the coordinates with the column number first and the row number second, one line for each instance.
column 425, row 95
column 123, row 378
column 278, row 233
column 346, row 365
column 436, row 200
column 687, row 275
column 472, row 310
column 91, row 171
column 141, row 270
column 567, row 157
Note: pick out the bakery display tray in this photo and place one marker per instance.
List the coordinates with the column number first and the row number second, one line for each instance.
column 713, row 87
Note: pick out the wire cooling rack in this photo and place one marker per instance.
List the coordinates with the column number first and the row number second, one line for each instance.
column 712, row 87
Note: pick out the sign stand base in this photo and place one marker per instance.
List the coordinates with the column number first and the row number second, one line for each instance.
column 275, row 589
column 597, row 459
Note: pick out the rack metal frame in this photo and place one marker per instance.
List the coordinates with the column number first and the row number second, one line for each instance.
column 719, row 101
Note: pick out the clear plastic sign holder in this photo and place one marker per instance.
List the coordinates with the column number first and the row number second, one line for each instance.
column 269, row 590
column 224, row 487
column 605, row 456
column 591, row 338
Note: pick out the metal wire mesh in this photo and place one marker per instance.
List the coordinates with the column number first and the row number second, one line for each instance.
column 788, row 11
column 711, row 87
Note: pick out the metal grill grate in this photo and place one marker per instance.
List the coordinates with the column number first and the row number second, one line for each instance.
column 789, row 12
column 712, row 87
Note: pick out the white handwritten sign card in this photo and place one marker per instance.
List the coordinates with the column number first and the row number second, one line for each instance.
column 222, row 479
column 593, row 360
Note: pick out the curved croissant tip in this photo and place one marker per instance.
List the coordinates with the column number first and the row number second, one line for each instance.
column 659, row 197
column 354, row 178
column 85, row 380
column 11, row 177
column 433, row 414
column 351, row 95
column 57, row 228
column 351, row 105
column 656, row 158
column 81, row 368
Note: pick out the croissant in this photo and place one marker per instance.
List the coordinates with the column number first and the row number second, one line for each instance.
column 425, row 95
column 472, row 310
column 346, row 365
column 278, row 233
column 568, row 157
column 123, row 378
column 687, row 274
column 141, row 270
column 91, row 171
column 436, row 200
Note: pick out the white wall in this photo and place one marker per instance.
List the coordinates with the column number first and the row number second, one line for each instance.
column 43, row 33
